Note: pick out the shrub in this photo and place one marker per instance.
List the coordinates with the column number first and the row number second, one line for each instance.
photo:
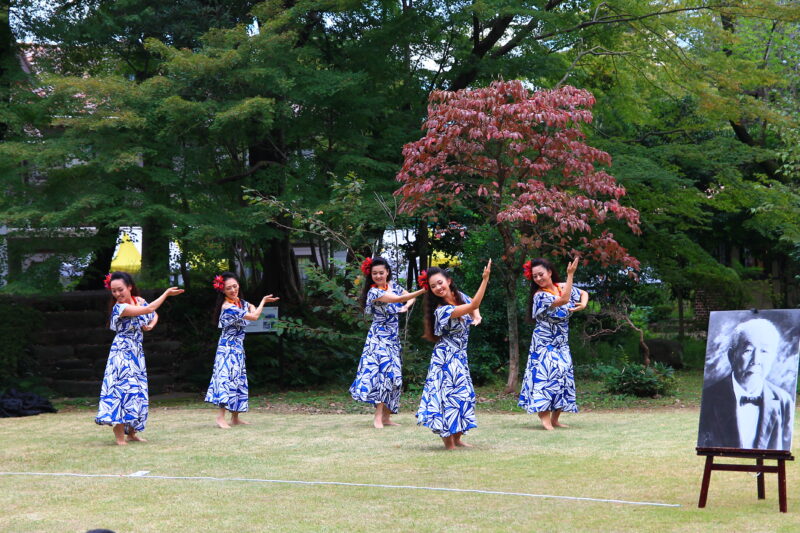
column 694, row 353
column 638, row 380
column 596, row 371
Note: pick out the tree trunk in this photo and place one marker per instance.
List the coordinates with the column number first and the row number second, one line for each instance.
column 155, row 252
column 680, row 317
column 510, row 282
column 8, row 60
column 642, row 344
column 281, row 275
column 421, row 244
column 184, row 265
column 95, row 273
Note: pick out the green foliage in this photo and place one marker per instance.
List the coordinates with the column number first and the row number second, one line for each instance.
column 596, row 371
column 313, row 108
column 41, row 278
column 638, row 380
column 488, row 343
column 694, row 353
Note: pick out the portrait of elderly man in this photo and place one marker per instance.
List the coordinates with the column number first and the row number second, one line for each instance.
column 743, row 409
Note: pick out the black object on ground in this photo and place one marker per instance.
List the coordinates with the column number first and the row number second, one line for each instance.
column 16, row 403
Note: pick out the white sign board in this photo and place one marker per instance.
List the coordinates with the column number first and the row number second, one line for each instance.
column 265, row 323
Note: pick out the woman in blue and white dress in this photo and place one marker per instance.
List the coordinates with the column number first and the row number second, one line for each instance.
column 228, row 388
column 379, row 379
column 548, row 387
column 124, row 397
column 447, row 405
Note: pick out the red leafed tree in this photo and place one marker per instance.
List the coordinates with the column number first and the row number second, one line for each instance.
column 518, row 159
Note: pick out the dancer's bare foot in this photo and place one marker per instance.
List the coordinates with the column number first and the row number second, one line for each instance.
column 449, row 443
column 222, row 424
column 119, row 434
column 388, row 422
column 236, row 421
column 381, row 416
column 554, row 419
column 544, row 416
column 133, row 437
column 457, row 441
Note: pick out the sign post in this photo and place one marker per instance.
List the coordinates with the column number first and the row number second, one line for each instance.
column 265, row 323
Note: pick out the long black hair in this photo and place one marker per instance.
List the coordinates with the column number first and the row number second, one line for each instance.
column 376, row 261
column 542, row 262
column 432, row 302
column 221, row 294
column 127, row 279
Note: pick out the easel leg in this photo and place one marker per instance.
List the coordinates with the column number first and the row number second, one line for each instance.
column 760, row 481
column 782, row 485
column 706, row 481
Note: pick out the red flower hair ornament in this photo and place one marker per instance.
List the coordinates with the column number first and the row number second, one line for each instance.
column 219, row 283
column 107, row 281
column 422, row 280
column 366, row 266
column 527, row 270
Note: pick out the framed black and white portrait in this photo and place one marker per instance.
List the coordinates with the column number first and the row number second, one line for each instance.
column 750, row 380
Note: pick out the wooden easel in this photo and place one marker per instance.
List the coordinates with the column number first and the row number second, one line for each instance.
column 759, row 455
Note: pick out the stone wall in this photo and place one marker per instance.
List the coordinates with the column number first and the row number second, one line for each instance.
column 70, row 350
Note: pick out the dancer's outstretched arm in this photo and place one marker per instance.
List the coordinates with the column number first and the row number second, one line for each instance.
column 138, row 310
column 254, row 313
column 391, row 298
column 464, row 309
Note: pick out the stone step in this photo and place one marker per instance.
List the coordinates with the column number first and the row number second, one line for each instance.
column 75, row 319
column 55, row 337
column 92, row 352
column 76, row 374
column 73, row 388
column 46, row 354
column 72, row 301
column 156, row 384
column 91, row 336
column 159, row 383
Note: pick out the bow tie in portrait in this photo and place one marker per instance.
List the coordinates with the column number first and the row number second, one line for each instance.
column 755, row 400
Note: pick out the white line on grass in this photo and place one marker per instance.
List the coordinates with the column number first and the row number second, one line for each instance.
column 140, row 475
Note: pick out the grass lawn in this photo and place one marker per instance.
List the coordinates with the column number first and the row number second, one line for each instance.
column 645, row 454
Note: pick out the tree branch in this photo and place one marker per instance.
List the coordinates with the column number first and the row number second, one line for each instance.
column 251, row 170
column 595, row 51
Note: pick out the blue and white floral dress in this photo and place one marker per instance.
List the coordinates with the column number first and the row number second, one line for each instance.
column 123, row 395
column 549, row 382
column 447, row 405
column 228, row 386
column 379, row 378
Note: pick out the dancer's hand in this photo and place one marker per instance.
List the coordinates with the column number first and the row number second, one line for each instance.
column 573, row 266
column 487, row 270
column 476, row 321
column 173, row 291
column 406, row 306
column 268, row 299
column 578, row 307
